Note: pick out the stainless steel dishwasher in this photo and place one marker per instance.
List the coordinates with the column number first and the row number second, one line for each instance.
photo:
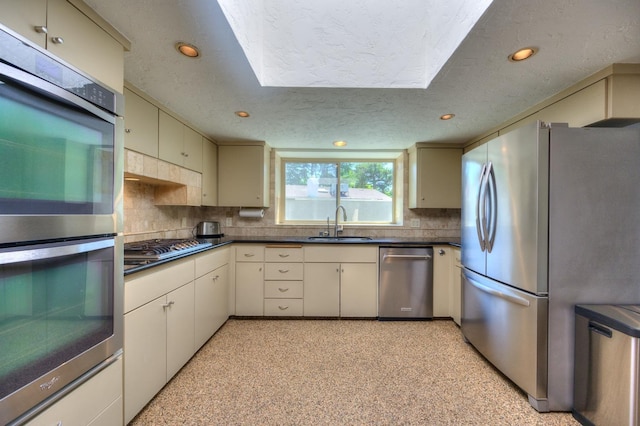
column 405, row 283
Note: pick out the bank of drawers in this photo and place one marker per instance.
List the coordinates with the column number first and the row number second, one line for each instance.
column 283, row 285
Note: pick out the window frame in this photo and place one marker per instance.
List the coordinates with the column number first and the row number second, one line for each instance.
column 395, row 158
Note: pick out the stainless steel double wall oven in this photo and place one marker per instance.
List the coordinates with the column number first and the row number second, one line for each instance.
column 61, row 272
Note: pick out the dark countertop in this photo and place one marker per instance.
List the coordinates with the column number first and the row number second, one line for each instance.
column 219, row 242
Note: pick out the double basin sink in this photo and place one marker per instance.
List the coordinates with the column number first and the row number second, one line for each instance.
column 340, row 238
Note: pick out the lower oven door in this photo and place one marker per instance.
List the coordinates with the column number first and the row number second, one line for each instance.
column 508, row 327
column 60, row 315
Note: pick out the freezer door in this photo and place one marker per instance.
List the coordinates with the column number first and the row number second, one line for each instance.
column 508, row 327
column 473, row 167
column 517, row 255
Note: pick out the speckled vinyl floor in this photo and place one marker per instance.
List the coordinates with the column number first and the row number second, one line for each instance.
column 341, row 372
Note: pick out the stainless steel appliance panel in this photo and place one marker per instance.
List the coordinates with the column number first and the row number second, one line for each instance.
column 509, row 328
column 607, row 378
column 518, row 164
column 473, row 168
column 405, row 283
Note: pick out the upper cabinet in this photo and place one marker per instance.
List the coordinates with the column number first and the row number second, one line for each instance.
column 179, row 144
column 209, row 173
column 434, row 177
column 243, row 175
column 67, row 32
column 140, row 124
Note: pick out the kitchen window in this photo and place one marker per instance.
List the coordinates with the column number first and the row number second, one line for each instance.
column 312, row 189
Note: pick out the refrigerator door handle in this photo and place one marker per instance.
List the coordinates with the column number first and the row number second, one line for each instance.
column 479, row 211
column 509, row 297
column 492, row 194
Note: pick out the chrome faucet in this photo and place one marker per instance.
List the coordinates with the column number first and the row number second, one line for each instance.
column 344, row 217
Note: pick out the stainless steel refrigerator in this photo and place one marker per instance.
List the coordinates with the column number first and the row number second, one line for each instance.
column 550, row 219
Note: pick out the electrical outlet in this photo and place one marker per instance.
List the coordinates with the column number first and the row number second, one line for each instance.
column 415, row 223
column 228, row 221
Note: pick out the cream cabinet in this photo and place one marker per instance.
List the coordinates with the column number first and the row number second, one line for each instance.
column 442, row 265
column 283, row 280
column 321, row 289
column 249, row 276
column 435, row 179
column 96, row 402
column 341, row 280
column 140, row 124
column 455, row 302
column 158, row 330
column 178, row 143
column 65, row 31
column 211, row 293
column 209, row 173
column 243, row 175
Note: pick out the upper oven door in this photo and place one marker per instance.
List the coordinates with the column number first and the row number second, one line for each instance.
column 60, row 166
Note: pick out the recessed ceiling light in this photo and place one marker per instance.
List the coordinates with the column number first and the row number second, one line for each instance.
column 340, row 143
column 188, row 49
column 523, row 54
column 447, row 116
column 242, row 114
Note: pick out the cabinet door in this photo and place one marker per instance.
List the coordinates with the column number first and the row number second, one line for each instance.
column 141, row 125
column 241, row 176
column 192, row 147
column 211, row 307
column 170, row 139
column 97, row 401
column 145, row 360
column 84, row 44
column 209, row 173
column 439, row 178
column 180, row 328
column 442, row 264
column 359, row 290
column 455, row 304
column 321, row 290
column 22, row 16
column 249, row 289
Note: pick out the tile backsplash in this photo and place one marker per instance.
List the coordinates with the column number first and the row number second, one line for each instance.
column 144, row 220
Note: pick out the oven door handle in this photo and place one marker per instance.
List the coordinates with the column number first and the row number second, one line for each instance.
column 51, row 251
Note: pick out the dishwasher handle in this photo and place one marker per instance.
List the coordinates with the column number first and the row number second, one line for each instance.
column 406, row 256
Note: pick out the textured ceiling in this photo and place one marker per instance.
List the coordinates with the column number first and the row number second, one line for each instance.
column 576, row 38
column 357, row 43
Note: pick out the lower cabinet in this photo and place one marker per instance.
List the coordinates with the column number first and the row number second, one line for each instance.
column 358, row 290
column 170, row 312
column 96, row 402
column 249, row 275
column 341, row 281
column 442, row 264
column 455, row 303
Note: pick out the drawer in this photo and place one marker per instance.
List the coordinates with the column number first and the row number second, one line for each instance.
column 283, row 307
column 210, row 260
column 280, row 289
column 283, row 271
column 248, row 253
column 283, row 254
column 341, row 253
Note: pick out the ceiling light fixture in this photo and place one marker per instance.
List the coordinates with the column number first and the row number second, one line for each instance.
column 340, row 143
column 447, row 116
column 242, row 114
column 522, row 54
column 188, row 50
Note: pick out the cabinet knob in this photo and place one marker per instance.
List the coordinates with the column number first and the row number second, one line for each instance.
column 441, row 252
column 168, row 304
column 127, row 130
column 41, row 29
column 57, row 40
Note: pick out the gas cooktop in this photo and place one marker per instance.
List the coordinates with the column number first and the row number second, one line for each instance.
column 162, row 248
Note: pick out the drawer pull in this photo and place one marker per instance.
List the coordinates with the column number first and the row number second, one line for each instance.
column 249, row 255
column 283, row 255
column 283, row 308
column 168, row 304
column 216, row 278
column 283, row 271
column 283, row 290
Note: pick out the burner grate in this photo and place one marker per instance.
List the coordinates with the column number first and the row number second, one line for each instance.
column 162, row 248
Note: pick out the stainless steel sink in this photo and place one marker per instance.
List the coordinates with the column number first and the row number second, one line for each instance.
column 341, row 238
